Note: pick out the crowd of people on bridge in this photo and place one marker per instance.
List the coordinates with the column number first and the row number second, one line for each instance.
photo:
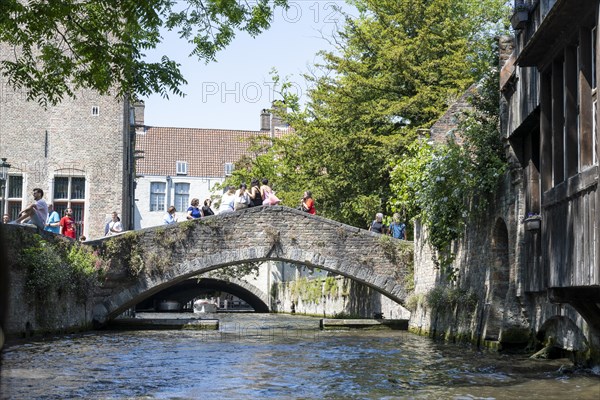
column 234, row 199
column 42, row 214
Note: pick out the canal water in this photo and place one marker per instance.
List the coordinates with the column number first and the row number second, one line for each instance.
column 266, row 356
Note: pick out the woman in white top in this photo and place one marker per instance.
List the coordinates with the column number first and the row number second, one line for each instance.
column 227, row 201
column 242, row 198
column 115, row 226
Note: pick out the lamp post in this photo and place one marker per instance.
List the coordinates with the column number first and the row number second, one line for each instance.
column 4, row 166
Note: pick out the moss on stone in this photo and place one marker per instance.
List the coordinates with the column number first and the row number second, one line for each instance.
column 515, row 336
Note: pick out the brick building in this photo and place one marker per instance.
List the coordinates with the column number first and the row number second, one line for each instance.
column 79, row 152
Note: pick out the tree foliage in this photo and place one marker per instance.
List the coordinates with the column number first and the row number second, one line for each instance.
column 446, row 185
column 57, row 47
column 397, row 68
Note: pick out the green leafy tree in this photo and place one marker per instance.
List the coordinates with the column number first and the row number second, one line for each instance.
column 446, row 186
column 397, row 68
column 56, row 47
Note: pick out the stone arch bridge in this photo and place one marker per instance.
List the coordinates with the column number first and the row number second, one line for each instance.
column 145, row 262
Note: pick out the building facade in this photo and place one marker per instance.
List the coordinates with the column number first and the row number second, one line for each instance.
column 529, row 270
column 175, row 165
column 79, row 152
column 551, row 123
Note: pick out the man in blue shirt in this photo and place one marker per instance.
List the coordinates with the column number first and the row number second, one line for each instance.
column 53, row 220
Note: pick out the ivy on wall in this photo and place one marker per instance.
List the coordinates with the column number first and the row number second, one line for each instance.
column 311, row 290
column 55, row 267
column 447, row 185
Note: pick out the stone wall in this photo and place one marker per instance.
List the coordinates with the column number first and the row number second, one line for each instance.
column 163, row 256
column 334, row 296
column 489, row 304
column 485, row 300
column 58, row 310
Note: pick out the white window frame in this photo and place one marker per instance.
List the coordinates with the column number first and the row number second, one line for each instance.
column 229, row 167
column 69, row 199
column 6, row 193
column 181, row 167
column 156, row 196
column 95, row 111
column 181, row 199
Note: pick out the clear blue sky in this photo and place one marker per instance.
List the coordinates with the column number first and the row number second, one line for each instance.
column 231, row 92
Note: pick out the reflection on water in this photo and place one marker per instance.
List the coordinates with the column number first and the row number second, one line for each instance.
column 276, row 357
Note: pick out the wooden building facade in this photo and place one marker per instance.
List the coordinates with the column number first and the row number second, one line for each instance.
column 550, row 89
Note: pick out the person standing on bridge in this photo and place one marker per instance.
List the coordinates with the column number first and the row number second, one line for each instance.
column 206, row 210
column 227, row 201
column 193, row 212
column 397, row 229
column 115, row 225
column 267, row 194
column 254, row 194
column 308, row 204
column 242, row 198
column 53, row 220
column 377, row 226
column 170, row 217
column 67, row 224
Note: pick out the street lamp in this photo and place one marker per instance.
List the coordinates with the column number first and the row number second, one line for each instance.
column 4, row 166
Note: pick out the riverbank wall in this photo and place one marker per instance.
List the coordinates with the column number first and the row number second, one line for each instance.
column 494, row 293
column 41, row 296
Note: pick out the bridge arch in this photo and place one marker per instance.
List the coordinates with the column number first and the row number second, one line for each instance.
column 189, row 289
column 147, row 261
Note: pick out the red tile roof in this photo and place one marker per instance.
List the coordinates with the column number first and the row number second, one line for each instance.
column 205, row 150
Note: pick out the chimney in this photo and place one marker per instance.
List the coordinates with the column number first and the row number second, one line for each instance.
column 279, row 110
column 138, row 116
column 506, row 46
column 265, row 120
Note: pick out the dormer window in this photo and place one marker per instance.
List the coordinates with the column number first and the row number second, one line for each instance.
column 182, row 168
column 228, row 169
column 95, row 111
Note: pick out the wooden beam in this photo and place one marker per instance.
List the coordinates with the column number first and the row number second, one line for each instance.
column 558, row 121
column 571, row 114
column 545, row 131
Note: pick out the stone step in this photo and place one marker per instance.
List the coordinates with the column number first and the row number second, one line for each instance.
column 335, row 323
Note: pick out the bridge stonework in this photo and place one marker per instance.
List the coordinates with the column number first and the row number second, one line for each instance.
column 147, row 261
